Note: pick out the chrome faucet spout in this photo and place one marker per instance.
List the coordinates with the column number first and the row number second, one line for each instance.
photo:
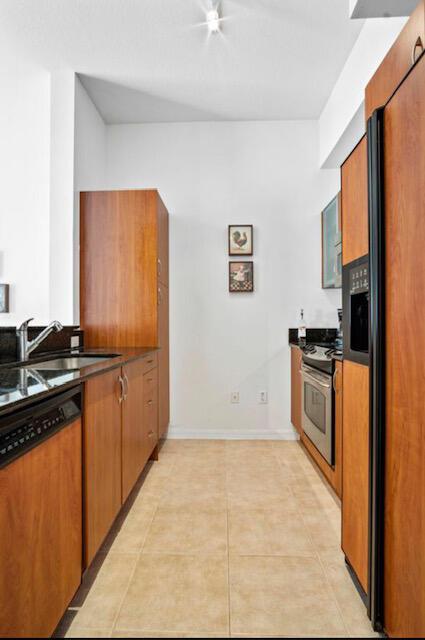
column 26, row 347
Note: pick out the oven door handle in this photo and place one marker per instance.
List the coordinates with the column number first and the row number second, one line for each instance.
column 313, row 379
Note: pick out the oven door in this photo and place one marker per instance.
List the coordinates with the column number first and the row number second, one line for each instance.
column 317, row 410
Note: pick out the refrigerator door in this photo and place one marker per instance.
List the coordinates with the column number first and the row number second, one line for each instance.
column 397, row 235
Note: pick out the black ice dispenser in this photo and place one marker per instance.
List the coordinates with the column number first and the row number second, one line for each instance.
column 355, row 295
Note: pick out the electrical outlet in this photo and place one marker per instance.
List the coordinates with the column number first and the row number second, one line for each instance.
column 234, row 397
column 263, row 397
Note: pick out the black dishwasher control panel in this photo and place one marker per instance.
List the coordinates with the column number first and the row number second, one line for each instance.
column 27, row 428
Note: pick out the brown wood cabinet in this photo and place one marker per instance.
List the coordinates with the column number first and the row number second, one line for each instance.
column 124, row 276
column 397, row 62
column 102, row 459
column 133, row 426
column 332, row 474
column 355, row 463
column 296, row 354
column 41, row 545
column 354, row 204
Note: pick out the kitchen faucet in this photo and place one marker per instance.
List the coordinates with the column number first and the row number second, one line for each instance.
column 25, row 347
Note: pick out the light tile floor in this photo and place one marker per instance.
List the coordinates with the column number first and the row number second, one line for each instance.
column 222, row 539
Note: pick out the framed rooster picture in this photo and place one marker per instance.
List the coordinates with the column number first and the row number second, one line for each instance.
column 241, row 240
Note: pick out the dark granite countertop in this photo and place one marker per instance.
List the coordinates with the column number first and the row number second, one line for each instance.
column 21, row 386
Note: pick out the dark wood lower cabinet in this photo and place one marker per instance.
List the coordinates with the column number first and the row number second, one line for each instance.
column 102, row 459
column 133, row 428
column 41, row 543
column 355, row 464
column 296, row 355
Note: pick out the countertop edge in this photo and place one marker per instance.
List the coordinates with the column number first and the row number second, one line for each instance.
column 86, row 373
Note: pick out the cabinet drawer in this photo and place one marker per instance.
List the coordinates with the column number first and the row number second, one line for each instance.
column 396, row 64
column 150, row 383
column 149, row 362
column 150, row 419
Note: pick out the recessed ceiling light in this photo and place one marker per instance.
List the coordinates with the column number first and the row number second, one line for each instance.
column 213, row 21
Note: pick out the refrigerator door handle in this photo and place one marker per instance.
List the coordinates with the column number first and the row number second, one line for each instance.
column 375, row 136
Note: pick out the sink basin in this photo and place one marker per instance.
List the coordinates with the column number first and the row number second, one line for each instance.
column 69, row 362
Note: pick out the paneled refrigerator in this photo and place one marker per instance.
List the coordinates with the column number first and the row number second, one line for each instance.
column 396, row 182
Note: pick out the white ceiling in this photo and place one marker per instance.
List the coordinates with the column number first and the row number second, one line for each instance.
column 153, row 61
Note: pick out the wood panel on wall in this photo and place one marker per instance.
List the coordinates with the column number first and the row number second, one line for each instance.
column 354, row 203
column 397, row 62
column 41, row 549
column 355, row 464
column 404, row 168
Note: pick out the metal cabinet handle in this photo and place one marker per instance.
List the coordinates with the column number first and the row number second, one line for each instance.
column 150, row 434
column 126, row 386
column 150, row 402
column 159, row 296
column 122, row 395
column 334, row 380
column 418, row 45
column 159, row 267
column 313, row 379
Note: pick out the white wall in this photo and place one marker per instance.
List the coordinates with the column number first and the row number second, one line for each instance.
column 341, row 123
column 210, row 175
column 89, row 168
column 62, row 196
column 24, row 186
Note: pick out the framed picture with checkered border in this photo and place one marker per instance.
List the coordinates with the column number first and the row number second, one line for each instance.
column 241, row 277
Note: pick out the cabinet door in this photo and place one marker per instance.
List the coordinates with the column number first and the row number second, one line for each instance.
column 132, row 426
column 102, row 455
column 162, row 239
column 354, row 199
column 355, row 465
column 41, row 522
column 397, row 62
column 296, row 388
column 338, row 388
column 163, row 361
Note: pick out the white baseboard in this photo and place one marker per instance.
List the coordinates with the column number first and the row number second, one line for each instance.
column 176, row 432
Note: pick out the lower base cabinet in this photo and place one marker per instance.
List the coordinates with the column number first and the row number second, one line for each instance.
column 296, row 355
column 41, row 553
column 102, row 458
column 120, row 435
column 355, row 487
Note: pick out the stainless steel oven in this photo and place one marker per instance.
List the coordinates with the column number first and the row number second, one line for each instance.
column 317, row 409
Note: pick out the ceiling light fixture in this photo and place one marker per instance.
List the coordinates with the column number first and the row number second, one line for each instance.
column 213, row 20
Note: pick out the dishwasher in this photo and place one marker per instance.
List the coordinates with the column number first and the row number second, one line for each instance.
column 40, row 514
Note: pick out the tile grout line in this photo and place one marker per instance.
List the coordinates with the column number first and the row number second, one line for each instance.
column 229, row 618
column 126, row 590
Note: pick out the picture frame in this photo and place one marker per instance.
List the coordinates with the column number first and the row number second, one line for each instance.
column 331, row 245
column 241, row 239
column 241, row 276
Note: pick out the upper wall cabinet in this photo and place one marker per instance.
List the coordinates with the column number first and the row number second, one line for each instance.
column 354, row 201
column 404, row 52
column 331, row 245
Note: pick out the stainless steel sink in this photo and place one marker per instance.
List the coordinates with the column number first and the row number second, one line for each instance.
column 69, row 362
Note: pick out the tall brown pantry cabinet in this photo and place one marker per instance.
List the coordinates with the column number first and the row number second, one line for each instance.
column 124, row 277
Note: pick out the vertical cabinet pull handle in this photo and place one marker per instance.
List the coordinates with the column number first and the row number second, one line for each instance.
column 418, row 47
column 159, row 267
column 159, row 296
column 122, row 395
column 150, row 402
column 334, row 380
column 126, row 385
